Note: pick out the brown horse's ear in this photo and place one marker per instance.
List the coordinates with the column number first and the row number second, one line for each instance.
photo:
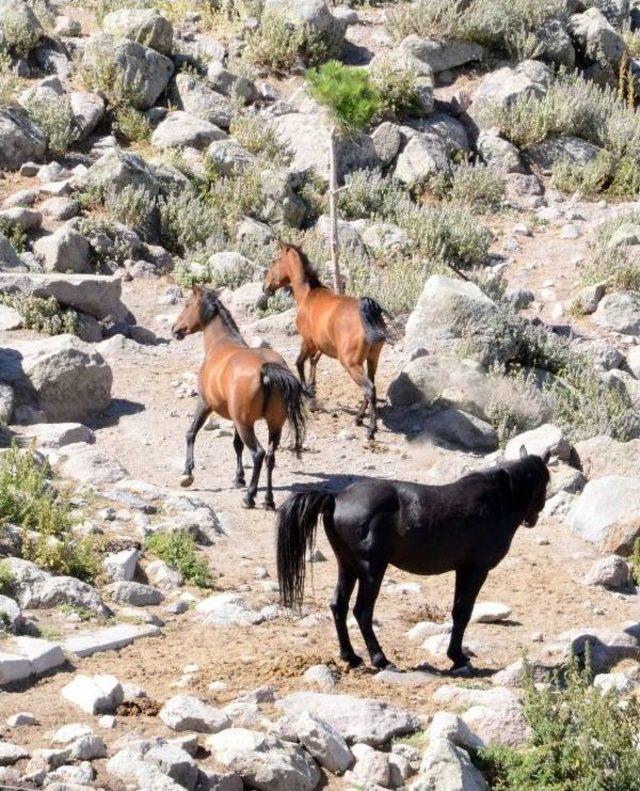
column 283, row 245
column 196, row 289
column 523, row 452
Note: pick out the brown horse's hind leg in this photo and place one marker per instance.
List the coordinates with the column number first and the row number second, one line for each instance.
column 201, row 414
column 248, row 436
column 468, row 584
column 369, row 389
column 340, row 608
column 238, row 446
column 270, row 463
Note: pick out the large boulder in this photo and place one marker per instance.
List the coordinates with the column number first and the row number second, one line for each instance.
column 60, row 376
column 34, row 588
column 607, row 513
column 459, row 430
column 603, row 455
column 540, row 441
column 595, row 38
column 88, row 111
column 446, row 767
column 503, row 86
column 143, row 70
column 20, row 139
column 9, row 259
column 65, row 250
column 620, row 312
column 547, row 154
column 441, row 55
column 196, row 97
column 313, row 15
column 144, row 25
column 180, row 129
column 96, row 295
column 451, row 131
column 424, row 156
column 409, row 56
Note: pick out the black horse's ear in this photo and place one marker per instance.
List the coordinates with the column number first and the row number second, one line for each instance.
column 546, row 456
column 523, row 452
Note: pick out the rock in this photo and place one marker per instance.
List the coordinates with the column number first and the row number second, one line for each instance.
column 13, row 667
column 20, row 28
column 163, row 576
column 57, row 435
column 7, row 402
column 608, row 682
column 489, row 612
column 189, row 713
column 20, row 139
column 610, row 572
column 121, row 565
column 320, row 675
column 129, row 766
column 144, row 25
column 10, row 615
column 555, row 44
column 408, row 57
column 11, row 753
column 10, row 319
column 387, row 141
column 21, row 720
column 365, row 720
column 538, row 442
column 199, row 100
column 22, row 217
column 502, row 87
column 135, row 593
column 100, row 694
column 8, row 257
column 595, row 38
column 607, row 513
column 88, row 464
column 506, row 725
column 110, row 638
column 34, row 588
column 65, row 250
column 446, row 767
column 96, row 295
column 280, row 203
column 311, row 14
column 324, row 743
column 588, row 298
column 42, row 654
column 231, row 85
column 183, row 129
column 607, row 646
column 88, row 110
column 625, row 235
column 229, row 157
column 61, row 376
column 145, row 70
column 422, row 157
column 384, row 237
column 443, row 55
column 620, row 312
column 446, row 725
column 372, row 767
column 550, row 152
column 499, row 153
column 88, row 747
column 67, row 734
column 228, row 609
column 174, row 762
column 459, row 430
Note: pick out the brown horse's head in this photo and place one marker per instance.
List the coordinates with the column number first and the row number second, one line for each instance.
column 277, row 276
column 190, row 320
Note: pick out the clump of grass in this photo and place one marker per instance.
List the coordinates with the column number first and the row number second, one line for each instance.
column 14, row 233
column 10, row 83
column 397, row 89
column 186, row 275
column 478, row 187
column 57, row 121
column 28, row 499
column 133, row 206
column 515, row 404
column 43, row 314
column 19, row 31
column 396, row 285
column 619, row 267
column 589, row 179
column 369, row 194
column 5, row 579
column 179, row 550
column 634, row 561
column 259, row 138
column 189, row 224
column 582, row 739
column 277, row 303
column 130, row 124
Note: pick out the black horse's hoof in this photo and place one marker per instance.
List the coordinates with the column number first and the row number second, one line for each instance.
column 269, row 505
column 353, row 661
column 186, row 480
column 248, row 502
column 462, row 668
column 239, row 483
column 359, row 421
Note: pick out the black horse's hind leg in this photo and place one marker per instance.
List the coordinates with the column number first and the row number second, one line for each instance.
column 201, row 414
column 238, row 446
column 469, row 580
column 248, row 436
column 270, row 463
column 340, row 608
column 368, row 590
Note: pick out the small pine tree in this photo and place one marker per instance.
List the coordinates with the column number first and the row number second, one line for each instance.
column 352, row 102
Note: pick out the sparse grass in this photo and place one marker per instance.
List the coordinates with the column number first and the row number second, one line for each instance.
column 5, row 579
column 179, row 550
column 132, row 206
column 28, row 499
column 396, row 285
column 619, row 267
column 43, row 314
column 18, row 33
column 10, row 83
column 277, row 303
column 131, row 124
column 189, row 224
column 186, row 276
column 478, row 187
column 633, row 560
column 582, row 739
column 589, row 179
column 14, row 233
column 260, row 138
column 56, row 120
column 369, row 194
column 397, row 89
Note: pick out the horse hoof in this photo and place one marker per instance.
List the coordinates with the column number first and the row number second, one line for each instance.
column 269, row 505
column 462, row 670
column 248, row 502
column 239, row 484
column 186, row 481
column 354, row 661
column 359, row 421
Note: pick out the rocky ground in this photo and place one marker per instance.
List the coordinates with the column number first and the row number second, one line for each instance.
column 131, row 676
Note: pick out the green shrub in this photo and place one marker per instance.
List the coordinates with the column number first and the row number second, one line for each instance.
column 396, row 285
column 515, row 404
column 260, row 138
column 368, row 194
column 28, row 500
column 230, row 198
column 5, row 579
column 478, row 187
column 14, row 234
column 131, row 124
column 188, row 223
column 10, row 84
column 133, row 206
column 179, row 550
column 57, row 121
column 582, row 739
column 397, row 89
column 277, row 303
column 619, row 267
column 588, row 179
column 348, row 92
column 276, row 44
column 43, row 314
column 634, row 561
column 187, row 275
column 17, row 32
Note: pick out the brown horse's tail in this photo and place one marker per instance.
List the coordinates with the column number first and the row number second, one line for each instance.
column 276, row 377
column 297, row 523
column 372, row 317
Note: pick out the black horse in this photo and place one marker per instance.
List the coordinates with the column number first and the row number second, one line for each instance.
column 466, row 527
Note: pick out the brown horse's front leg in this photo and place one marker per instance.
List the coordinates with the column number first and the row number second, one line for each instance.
column 201, row 414
column 469, row 580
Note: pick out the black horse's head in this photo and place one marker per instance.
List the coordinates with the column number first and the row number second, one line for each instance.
column 528, row 480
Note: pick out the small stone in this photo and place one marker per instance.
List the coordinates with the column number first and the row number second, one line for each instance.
column 21, row 719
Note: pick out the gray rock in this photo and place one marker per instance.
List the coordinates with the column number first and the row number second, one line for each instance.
column 11, row 753
column 595, row 37
column 9, row 259
column 504, row 725
column 312, row 14
column 229, row 157
column 589, row 297
column 610, row 572
column 146, row 71
column 607, row 513
column 627, row 234
column 100, row 694
column 505, row 85
column 174, row 762
column 446, row 725
column 446, row 767
column 457, row 429
column 21, row 720
column 443, row 55
column 365, row 720
column 182, row 129
column 226, row 609
column 452, row 133
column 408, row 56
column 620, row 312
column 498, row 152
column 547, row 154
column 10, row 615
column 121, row 565
column 34, row 588
column 324, row 743
column 195, row 97
column 23, row 218
column 20, row 139
column 384, row 237
column 20, row 28
column 387, row 141
column 110, row 638
column 60, row 376
column 555, row 45
column 189, row 713
column 10, row 319
column 539, row 441
column 88, row 110
column 422, row 157
column 144, row 25
column 65, row 250
column 7, row 401
column 231, row 85
column 163, row 576
column 135, row 594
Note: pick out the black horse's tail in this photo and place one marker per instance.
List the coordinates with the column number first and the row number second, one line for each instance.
column 297, row 523
column 372, row 316
column 278, row 377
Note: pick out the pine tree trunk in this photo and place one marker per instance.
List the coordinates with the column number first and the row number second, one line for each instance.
column 333, row 212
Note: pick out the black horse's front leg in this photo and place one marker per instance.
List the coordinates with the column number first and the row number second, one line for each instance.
column 201, row 414
column 469, row 580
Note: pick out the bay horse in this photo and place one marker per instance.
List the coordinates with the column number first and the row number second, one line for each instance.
column 345, row 328
column 242, row 384
column 466, row 527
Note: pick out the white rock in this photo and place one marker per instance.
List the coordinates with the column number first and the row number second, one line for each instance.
column 121, row 565
column 324, row 743
column 100, row 694
column 189, row 713
column 538, row 442
column 21, row 719
column 489, row 612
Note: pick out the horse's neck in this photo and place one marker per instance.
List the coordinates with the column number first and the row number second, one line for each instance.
column 299, row 283
column 217, row 334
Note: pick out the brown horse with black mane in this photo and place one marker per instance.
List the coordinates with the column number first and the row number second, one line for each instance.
column 346, row 328
column 241, row 384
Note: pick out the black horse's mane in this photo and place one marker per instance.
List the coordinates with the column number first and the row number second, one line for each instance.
column 310, row 273
column 210, row 307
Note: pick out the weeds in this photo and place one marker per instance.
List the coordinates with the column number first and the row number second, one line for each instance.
column 10, row 83
column 5, row 579
column 131, row 124
column 133, row 206
column 634, row 562
column 18, row 33
column 277, row 303
column 259, row 138
column 618, row 267
column 43, row 314
column 397, row 89
column 57, row 121
column 14, row 233
column 189, row 224
column 478, row 187
column 179, row 550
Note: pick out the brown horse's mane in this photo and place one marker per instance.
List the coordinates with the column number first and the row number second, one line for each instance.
column 310, row 273
column 210, row 307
